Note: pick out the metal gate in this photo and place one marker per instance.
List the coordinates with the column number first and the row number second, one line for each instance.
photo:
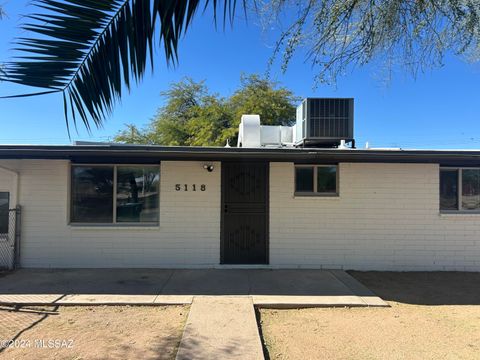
column 10, row 239
column 244, row 213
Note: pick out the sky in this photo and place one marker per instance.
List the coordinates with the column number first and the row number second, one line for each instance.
column 438, row 109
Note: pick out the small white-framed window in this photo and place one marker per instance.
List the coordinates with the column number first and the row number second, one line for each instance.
column 114, row 194
column 316, row 180
column 460, row 190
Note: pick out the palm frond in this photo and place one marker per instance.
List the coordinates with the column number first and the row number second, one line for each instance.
column 87, row 49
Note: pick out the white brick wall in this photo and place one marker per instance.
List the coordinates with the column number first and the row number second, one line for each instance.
column 386, row 218
column 188, row 234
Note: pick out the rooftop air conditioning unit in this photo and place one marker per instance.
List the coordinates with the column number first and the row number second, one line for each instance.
column 324, row 122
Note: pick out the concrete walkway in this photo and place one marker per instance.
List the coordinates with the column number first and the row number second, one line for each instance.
column 265, row 288
column 221, row 328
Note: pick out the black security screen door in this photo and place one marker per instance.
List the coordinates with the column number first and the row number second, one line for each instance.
column 244, row 213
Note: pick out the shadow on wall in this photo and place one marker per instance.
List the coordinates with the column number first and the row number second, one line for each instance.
column 423, row 288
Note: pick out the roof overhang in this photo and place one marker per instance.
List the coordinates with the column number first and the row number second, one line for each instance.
column 154, row 154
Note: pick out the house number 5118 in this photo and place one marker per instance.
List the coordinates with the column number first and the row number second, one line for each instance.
column 192, row 187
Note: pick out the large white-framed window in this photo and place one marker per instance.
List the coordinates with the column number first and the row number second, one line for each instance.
column 316, row 180
column 460, row 189
column 114, row 194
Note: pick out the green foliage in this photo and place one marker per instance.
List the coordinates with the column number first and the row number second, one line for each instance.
column 261, row 96
column 133, row 135
column 341, row 34
column 192, row 116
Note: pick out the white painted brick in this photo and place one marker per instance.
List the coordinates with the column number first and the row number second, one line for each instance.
column 188, row 234
column 386, row 218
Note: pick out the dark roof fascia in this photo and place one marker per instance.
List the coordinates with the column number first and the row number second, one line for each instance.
column 154, row 154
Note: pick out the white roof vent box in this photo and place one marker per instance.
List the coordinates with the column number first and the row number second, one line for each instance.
column 249, row 131
column 251, row 134
column 324, row 122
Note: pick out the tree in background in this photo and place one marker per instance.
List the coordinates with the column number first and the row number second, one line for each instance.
column 339, row 35
column 275, row 105
column 87, row 50
column 193, row 116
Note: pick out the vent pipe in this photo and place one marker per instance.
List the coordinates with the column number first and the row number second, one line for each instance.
column 342, row 145
column 249, row 131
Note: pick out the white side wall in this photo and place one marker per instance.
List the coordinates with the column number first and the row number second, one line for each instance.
column 386, row 218
column 188, row 234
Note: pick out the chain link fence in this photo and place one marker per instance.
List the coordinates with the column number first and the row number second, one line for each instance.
column 10, row 238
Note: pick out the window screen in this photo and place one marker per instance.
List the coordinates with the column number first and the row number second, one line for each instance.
column 92, row 194
column 471, row 189
column 4, row 205
column 326, row 179
column 137, row 194
column 304, row 179
column 449, row 189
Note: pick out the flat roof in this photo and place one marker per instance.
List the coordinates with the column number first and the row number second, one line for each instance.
column 123, row 153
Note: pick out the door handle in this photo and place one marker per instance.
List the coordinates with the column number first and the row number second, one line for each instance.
column 226, row 208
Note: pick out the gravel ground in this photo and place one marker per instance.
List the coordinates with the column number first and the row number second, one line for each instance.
column 432, row 316
column 101, row 332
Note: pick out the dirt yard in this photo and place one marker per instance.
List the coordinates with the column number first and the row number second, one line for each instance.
column 102, row 332
column 432, row 316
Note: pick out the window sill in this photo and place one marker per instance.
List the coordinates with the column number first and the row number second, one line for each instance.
column 114, row 227
column 459, row 213
column 317, row 195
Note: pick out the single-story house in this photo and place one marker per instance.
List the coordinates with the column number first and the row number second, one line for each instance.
column 113, row 205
